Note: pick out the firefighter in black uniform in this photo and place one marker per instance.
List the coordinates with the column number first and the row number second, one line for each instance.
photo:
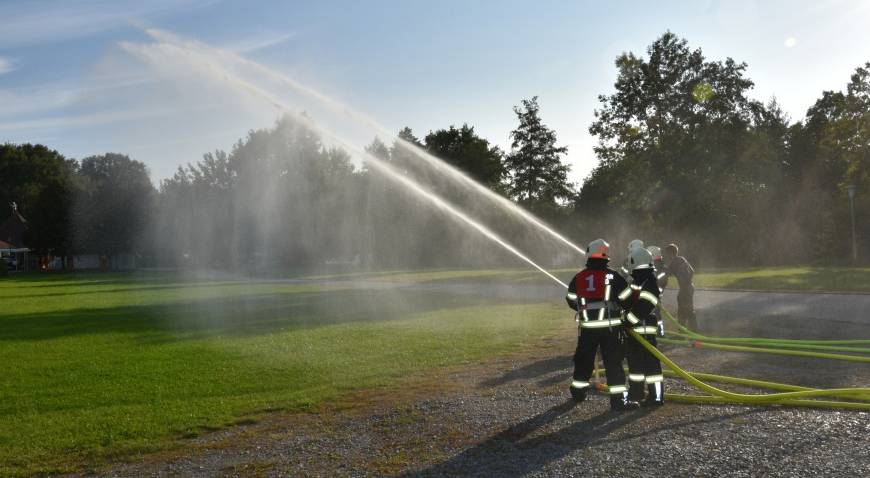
column 639, row 300
column 625, row 269
column 662, row 281
column 592, row 293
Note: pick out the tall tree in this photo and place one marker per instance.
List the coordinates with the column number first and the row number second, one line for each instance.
column 113, row 205
column 829, row 150
column 468, row 152
column 676, row 144
column 538, row 178
column 41, row 182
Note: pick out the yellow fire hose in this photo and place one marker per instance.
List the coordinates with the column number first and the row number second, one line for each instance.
column 743, row 348
column 683, row 330
column 791, row 395
column 784, row 345
column 781, row 398
column 787, row 402
column 750, row 383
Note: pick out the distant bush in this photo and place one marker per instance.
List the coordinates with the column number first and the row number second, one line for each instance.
column 4, row 270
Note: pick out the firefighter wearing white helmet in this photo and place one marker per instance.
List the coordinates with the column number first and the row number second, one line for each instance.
column 659, row 264
column 625, row 270
column 639, row 300
column 661, row 280
column 592, row 293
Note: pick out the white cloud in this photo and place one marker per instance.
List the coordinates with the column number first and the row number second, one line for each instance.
column 259, row 41
column 6, row 65
column 30, row 100
column 76, row 121
column 790, row 42
column 46, row 21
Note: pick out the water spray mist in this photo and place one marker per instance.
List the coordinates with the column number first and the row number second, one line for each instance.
column 380, row 165
column 362, row 118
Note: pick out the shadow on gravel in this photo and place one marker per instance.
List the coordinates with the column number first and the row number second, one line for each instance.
column 530, row 371
column 511, row 453
column 681, row 424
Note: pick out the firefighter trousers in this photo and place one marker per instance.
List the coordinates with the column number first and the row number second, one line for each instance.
column 686, row 310
column 643, row 367
column 613, row 352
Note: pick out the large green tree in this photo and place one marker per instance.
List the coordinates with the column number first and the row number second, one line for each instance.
column 468, row 152
column 538, row 178
column 41, row 182
column 829, row 150
column 683, row 150
column 113, row 204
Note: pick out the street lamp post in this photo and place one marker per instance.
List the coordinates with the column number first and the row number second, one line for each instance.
column 851, row 190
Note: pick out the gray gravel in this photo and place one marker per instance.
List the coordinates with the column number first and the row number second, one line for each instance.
column 512, row 417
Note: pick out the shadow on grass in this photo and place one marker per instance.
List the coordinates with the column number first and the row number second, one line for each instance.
column 236, row 316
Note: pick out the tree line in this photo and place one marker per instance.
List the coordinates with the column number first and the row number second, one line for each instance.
column 685, row 155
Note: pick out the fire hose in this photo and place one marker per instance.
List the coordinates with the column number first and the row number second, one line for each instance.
column 789, row 395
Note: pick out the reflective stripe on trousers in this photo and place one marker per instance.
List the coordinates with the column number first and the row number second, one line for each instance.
column 614, row 389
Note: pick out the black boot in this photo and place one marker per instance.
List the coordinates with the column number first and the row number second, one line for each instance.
column 635, row 391
column 656, row 395
column 619, row 402
column 578, row 394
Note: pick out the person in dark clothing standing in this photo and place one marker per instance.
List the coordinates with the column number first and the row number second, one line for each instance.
column 677, row 266
column 639, row 300
column 592, row 293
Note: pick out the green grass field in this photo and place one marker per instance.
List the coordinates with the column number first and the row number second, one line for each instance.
column 96, row 366
column 844, row 279
column 100, row 366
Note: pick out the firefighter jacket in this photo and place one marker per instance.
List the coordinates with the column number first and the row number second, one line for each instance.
column 639, row 300
column 593, row 294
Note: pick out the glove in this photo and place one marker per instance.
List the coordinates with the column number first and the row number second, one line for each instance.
column 661, row 327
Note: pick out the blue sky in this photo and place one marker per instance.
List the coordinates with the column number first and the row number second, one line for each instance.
column 84, row 77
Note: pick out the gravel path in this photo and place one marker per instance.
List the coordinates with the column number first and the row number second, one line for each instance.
column 512, row 417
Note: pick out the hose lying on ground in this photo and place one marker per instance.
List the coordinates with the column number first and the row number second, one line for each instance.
column 748, row 382
column 783, row 345
column 787, row 402
column 742, row 348
column 683, row 330
column 781, row 398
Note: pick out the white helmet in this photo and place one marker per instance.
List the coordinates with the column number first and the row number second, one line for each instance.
column 640, row 258
column 656, row 252
column 599, row 248
column 635, row 244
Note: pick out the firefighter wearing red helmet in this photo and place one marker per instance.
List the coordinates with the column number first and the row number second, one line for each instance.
column 592, row 293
